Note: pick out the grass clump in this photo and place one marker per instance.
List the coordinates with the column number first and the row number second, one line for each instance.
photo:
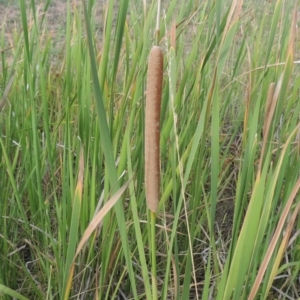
column 74, row 137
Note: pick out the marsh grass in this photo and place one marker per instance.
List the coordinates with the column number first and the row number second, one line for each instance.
column 72, row 139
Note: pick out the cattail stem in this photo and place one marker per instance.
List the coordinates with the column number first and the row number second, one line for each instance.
column 157, row 23
column 152, row 148
column 152, row 127
column 153, row 255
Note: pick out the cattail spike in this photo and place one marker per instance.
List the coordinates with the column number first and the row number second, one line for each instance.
column 152, row 127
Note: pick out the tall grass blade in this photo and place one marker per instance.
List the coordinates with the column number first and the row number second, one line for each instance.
column 99, row 217
column 6, row 290
column 73, row 235
column 108, row 151
column 4, row 99
column 275, row 238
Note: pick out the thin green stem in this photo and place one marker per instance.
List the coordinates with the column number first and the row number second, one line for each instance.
column 157, row 31
column 153, row 255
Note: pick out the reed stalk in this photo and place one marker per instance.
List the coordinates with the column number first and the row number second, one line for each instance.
column 152, row 149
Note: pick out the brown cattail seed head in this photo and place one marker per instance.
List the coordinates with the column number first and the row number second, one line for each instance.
column 152, row 127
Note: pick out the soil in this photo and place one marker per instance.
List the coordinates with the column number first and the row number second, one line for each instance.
column 55, row 16
column 10, row 14
column 54, row 24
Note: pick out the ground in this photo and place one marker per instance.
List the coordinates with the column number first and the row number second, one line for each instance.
column 55, row 21
column 56, row 14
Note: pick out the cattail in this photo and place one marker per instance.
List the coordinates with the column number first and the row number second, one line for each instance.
column 152, row 127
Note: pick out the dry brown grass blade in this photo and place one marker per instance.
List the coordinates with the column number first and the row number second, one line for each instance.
column 283, row 245
column 290, row 225
column 273, row 95
column 270, row 109
column 79, row 186
column 270, row 97
column 173, row 35
column 152, row 127
column 274, row 241
column 238, row 10
column 291, row 46
column 99, row 217
column 233, row 16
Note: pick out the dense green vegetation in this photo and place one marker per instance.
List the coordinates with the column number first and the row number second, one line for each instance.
column 72, row 150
